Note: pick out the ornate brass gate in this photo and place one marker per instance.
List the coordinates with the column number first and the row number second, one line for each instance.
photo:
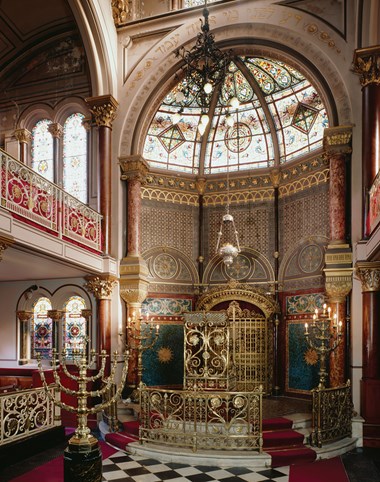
column 251, row 332
column 252, row 346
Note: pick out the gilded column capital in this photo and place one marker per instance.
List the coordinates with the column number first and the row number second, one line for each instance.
column 23, row 135
column 338, row 285
column 366, row 63
column 101, row 286
column 369, row 274
column 201, row 185
column 24, row 315
column 120, row 11
column 56, row 315
column 56, row 130
column 134, row 293
column 103, row 108
column 275, row 176
column 5, row 242
column 134, row 168
column 337, row 139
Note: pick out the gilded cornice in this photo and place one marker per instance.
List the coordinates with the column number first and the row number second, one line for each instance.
column 56, row 315
column 103, row 108
column 23, row 135
column 369, row 274
column 24, row 316
column 101, row 286
column 134, row 168
column 366, row 63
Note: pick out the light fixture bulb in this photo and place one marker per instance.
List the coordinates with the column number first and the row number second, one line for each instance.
column 229, row 120
column 207, row 88
column 176, row 118
column 234, row 102
column 201, row 128
column 205, row 119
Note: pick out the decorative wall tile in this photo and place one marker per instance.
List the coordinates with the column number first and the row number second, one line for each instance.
column 167, row 306
column 306, row 303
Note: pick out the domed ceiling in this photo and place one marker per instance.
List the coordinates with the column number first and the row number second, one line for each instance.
column 264, row 113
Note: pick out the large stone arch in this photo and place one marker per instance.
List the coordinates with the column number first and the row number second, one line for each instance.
column 294, row 42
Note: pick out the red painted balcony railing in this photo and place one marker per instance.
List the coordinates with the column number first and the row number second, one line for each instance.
column 35, row 200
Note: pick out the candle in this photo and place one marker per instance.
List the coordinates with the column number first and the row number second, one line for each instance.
column 157, row 328
column 306, row 328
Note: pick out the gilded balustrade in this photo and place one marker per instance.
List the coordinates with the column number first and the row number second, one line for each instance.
column 207, row 420
column 34, row 198
column 332, row 414
column 27, row 412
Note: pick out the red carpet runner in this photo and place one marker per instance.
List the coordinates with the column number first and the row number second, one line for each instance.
column 284, row 445
column 321, row 471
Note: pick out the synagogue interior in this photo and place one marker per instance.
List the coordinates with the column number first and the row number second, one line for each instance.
column 195, row 186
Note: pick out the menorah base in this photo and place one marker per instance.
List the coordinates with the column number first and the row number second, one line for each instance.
column 83, row 461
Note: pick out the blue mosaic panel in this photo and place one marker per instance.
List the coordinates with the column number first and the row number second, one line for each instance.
column 163, row 364
column 301, row 304
column 302, row 375
column 166, row 306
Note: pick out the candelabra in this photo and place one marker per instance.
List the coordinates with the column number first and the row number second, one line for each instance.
column 324, row 337
column 142, row 335
column 82, row 456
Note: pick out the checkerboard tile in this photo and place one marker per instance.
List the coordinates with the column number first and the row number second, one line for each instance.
column 121, row 467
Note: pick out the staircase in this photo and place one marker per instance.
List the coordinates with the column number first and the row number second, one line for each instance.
column 285, row 445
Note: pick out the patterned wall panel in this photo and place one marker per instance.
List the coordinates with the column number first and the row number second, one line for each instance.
column 171, row 225
column 253, row 222
column 163, row 365
column 302, row 362
column 303, row 214
column 167, row 306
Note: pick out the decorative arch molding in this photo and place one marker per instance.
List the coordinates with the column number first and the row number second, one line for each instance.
column 250, row 265
column 170, row 265
column 294, row 44
column 305, row 261
column 234, row 291
column 58, row 298
column 33, row 114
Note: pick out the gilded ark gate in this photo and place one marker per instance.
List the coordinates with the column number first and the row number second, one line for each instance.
column 250, row 331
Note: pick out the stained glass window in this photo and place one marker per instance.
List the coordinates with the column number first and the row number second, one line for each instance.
column 75, row 157
column 42, row 332
column 75, row 327
column 280, row 116
column 42, row 150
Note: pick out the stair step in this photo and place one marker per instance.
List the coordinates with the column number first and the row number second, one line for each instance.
column 278, row 423
column 291, row 456
column 119, row 440
column 282, row 439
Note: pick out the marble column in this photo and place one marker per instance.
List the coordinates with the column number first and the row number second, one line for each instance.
column 338, row 258
column 104, row 110
column 56, row 316
column 133, row 269
column 102, row 288
column 369, row 275
column 24, row 319
column 367, row 64
column 56, row 130
column 24, row 137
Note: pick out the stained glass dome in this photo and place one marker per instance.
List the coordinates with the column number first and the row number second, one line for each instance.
column 280, row 116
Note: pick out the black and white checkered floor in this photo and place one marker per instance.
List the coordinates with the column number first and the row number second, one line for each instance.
column 121, row 467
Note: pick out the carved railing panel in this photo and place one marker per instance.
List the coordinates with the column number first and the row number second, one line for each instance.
column 332, row 414
column 35, row 199
column 201, row 419
column 26, row 412
column 208, row 357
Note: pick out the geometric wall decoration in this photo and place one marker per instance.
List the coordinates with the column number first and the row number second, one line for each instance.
column 302, row 362
column 166, row 306
column 163, row 364
column 305, row 303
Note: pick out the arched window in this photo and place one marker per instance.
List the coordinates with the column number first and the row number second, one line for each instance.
column 42, row 150
column 75, row 157
column 42, row 333
column 71, row 169
column 75, row 326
